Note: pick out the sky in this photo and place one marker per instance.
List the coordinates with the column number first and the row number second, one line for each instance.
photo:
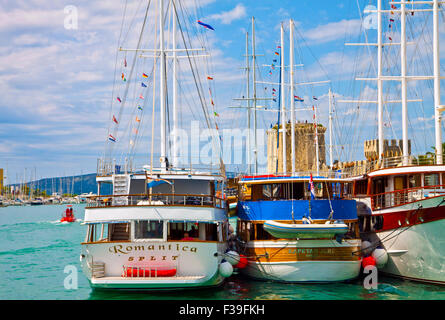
column 56, row 82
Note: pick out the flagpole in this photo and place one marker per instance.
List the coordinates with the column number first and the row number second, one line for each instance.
column 403, row 84
column 248, row 149
column 437, row 106
column 379, row 78
column 292, row 99
column 330, row 130
column 317, row 160
column 254, row 95
column 175, row 88
column 283, row 109
column 162, row 83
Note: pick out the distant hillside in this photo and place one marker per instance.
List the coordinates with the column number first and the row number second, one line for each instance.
column 72, row 185
column 76, row 184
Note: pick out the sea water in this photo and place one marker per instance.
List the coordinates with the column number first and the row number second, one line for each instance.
column 37, row 254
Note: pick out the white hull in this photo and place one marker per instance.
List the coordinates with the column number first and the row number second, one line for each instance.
column 195, row 262
column 417, row 252
column 304, row 271
column 303, row 266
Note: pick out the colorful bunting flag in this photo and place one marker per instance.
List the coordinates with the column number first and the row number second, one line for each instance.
column 114, row 119
column 137, row 119
column 207, row 26
column 314, row 97
column 125, row 62
column 140, row 108
column 216, row 114
column 119, row 99
column 277, row 53
column 144, row 75
column 209, row 78
column 141, row 97
column 297, row 98
column 143, row 85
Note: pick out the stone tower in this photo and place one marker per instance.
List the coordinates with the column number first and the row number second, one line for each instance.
column 305, row 152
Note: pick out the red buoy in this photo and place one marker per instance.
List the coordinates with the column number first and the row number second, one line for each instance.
column 242, row 262
column 368, row 261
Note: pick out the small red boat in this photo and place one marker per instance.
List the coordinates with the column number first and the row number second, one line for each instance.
column 69, row 216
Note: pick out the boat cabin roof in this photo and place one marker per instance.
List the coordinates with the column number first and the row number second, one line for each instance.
column 269, row 179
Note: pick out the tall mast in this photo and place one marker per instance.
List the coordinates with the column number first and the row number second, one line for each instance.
column 174, row 89
column 292, row 99
column 248, row 152
column 162, row 84
column 403, row 83
column 437, row 106
column 331, row 160
column 379, row 77
column 254, row 95
column 283, row 109
column 317, row 156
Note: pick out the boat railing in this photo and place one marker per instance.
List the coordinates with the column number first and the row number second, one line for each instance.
column 401, row 197
column 357, row 168
column 160, row 199
column 106, row 167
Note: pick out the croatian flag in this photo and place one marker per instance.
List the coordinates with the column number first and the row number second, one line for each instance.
column 111, row 138
column 205, row 25
column 312, row 188
column 297, row 98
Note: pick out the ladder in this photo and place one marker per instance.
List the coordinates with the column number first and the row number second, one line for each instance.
column 121, row 186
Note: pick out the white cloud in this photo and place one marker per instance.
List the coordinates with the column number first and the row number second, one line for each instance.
column 227, row 17
column 333, row 31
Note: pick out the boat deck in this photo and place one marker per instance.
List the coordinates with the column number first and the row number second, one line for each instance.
column 148, row 282
column 148, row 278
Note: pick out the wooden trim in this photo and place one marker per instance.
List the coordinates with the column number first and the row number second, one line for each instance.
column 295, row 254
column 99, row 242
column 157, row 242
column 157, row 206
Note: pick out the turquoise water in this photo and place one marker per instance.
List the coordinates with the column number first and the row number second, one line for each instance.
column 35, row 249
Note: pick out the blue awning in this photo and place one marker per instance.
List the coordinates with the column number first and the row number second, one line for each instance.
column 282, row 209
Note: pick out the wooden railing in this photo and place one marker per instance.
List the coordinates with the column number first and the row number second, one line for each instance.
column 401, row 197
column 159, row 199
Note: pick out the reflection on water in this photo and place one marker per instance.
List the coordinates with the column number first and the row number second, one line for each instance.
column 36, row 248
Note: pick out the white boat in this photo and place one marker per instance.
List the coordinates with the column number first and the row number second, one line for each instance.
column 161, row 228
column 304, row 230
column 401, row 198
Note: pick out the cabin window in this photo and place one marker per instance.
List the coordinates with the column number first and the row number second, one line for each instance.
column 177, row 230
column 414, row 181
column 119, row 231
column 144, row 229
column 361, row 187
column 262, row 234
column 432, row 179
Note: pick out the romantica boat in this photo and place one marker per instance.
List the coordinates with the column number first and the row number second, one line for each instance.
column 289, row 235
column 156, row 228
